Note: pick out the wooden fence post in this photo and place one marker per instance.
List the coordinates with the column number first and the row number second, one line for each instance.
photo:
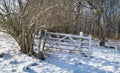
column 39, row 46
column 44, row 41
column 90, row 41
column 81, row 33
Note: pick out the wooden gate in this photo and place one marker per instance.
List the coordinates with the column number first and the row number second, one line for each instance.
column 67, row 42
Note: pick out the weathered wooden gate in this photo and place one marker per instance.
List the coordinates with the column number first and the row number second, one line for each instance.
column 67, row 42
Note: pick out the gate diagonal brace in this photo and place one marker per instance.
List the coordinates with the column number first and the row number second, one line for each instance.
column 77, row 45
column 57, row 41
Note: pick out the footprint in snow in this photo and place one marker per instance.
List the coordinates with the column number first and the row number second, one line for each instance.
column 1, row 55
column 14, row 62
column 28, row 69
column 13, row 70
column 33, row 64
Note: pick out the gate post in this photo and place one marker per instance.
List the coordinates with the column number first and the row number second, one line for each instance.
column 90, row 41
column 44, row 41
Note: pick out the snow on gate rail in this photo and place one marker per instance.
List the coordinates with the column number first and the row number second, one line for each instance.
column 68, row 42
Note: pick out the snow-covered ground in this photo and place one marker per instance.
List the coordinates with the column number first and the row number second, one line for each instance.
column 104, row 60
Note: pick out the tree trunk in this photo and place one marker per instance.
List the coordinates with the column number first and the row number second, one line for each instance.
column 77, row 24
column 26, row 44
column 102, row 29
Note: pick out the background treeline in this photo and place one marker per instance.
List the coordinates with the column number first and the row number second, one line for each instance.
column 73, row 16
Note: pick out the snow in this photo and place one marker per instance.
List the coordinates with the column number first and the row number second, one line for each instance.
column 103, row 60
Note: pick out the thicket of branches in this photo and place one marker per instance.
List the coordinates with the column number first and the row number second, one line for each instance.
column 22, row 19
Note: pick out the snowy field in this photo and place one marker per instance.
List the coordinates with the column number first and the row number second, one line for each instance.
column 104, row 60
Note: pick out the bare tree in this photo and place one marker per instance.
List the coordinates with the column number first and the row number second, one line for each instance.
column 103, row 8
column 23, row 19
